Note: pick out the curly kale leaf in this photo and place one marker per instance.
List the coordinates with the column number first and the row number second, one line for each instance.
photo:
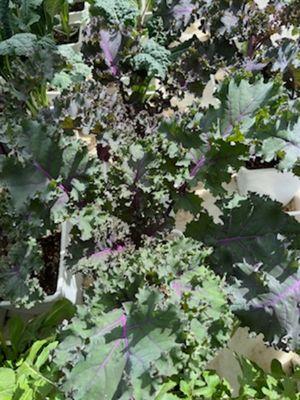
column 237, row 36
column 23, row 259
column 267, row 301
column 153, row 171
column 21, row 44
column 162, row 332
column 152, row 58
column 283, row 142
column 249, row 231
column 49, row 163
column 250, row 246
column 168, row 19
column 285, row 55
column 116, row 11
column 239, row 103
column 124, row 351
column 176, row 268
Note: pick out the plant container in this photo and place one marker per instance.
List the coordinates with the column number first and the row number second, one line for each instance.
column 68, row 286
column 295, row 207
column 52, row 94
column 79, row 17
column 280, row 186
column 74, row 41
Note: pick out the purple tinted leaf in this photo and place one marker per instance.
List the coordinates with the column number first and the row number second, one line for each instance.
column 267, row 301
column 249, row 232
column 110, row 42
column 229, row 20
column 47, row 175
column 107, row 251
column 251, row 65
column 124, row 343
column 183, row 11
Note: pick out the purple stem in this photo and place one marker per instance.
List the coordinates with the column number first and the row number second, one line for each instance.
column 44, row 172
column 104, row 252
column 178, row 11
column 199, row 164
column 293, row 289
column 234, row 239
column 108, row 357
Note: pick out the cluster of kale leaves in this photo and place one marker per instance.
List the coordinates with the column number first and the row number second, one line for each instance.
column 154, row 138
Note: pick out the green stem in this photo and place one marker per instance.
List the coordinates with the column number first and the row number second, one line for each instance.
column 4, row 346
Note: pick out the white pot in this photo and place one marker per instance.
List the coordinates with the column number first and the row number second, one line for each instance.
column 68, row 285
column 76, row 46
column 296, row 206
column 280, row 186
column 52, row 94
column 79, row 17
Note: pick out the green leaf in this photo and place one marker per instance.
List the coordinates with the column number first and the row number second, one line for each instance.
column 166, row 387
column 286, row 142
column 190, row 202
column 16, row 329
column 249, row 232
column 116, row 11
column 23, row 181
column 7, row 383
column 62, row 309
column 239, row 103
column 130, row 343
column 152, row 58
column 53, row 7
column 21, row 44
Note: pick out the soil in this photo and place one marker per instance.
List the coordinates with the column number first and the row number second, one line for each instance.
column 3, row 246
column 61, row 38
column 78, row 6
column 258, row 163
column 51, row 256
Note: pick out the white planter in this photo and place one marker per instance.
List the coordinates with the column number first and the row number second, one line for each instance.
column 52, row 94
column 76, row 46
column 80, row 20
column 79, row 17
column 68, row 285
column 295, row 214
column 280, row 186
column 296, row 207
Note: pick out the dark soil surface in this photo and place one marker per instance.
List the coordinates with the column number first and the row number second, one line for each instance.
column 3, row 246
column 78, row 6
column 61, row 38
column 258, row 163
column 51, row 255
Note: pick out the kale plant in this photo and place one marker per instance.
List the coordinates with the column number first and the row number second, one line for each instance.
column 230, row 35
column 27, row 65
column 148, row 165
column 183, row 43
column 164, row 319
column 40, row 168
